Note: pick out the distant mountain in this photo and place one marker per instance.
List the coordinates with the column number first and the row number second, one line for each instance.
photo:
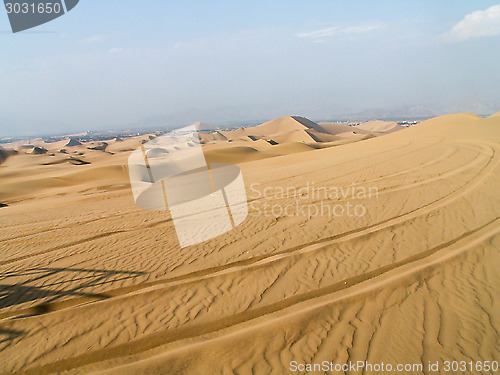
column 391, row 114
column 479, row 109
column 415, row 112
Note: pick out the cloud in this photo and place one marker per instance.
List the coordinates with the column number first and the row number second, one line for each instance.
column 477, row 24
column 94, row 39
column 338, row 31
column 115, row 50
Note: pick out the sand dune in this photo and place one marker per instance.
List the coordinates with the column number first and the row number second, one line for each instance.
column 334, row 128
column 125, row 145
column 92, row 284
column 5, row 153
column 321, row 136
column 212, row 137
column 234, row 134
column 292, row 136
column 236, row 154
column 73, row 142
column 70, row 160
column 97, row 146
column 380, row 126
column 278, row 126
column 38, row 150
column 290, row 130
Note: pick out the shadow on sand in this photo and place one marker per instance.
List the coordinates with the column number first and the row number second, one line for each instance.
column 53, row 284
column 9, row 334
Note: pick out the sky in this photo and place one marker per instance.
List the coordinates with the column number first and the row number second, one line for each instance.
column 155, row 63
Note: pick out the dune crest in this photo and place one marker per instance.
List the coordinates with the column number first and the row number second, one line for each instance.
column 380, row 126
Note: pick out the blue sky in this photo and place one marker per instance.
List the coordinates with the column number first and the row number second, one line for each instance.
column 119, row 63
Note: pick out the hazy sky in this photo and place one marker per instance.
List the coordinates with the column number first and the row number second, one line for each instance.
column 118, row 62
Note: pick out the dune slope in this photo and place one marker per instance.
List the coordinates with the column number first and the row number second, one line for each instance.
column 92, row 284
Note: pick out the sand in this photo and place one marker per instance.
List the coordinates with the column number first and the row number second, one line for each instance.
column 380, row 126
column 92, row 284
